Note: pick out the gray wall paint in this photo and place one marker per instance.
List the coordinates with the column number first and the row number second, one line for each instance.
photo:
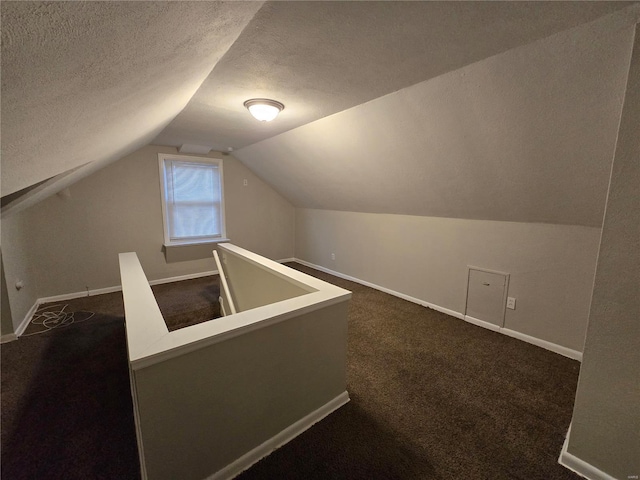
column 605, row 431
column 6, row 322
column 551, row 266
column 527, row 135
column 74, row 242
column 18, row 265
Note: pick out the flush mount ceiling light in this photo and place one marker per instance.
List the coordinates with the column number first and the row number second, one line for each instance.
column 264, row 109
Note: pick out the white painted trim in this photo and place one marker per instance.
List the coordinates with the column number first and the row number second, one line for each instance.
column 179, row 278
column 383, row 289
column 286, row 260
column 154, row 343
column 224, row 289
column 218, row 162
column 567, row 352
column 554, row 347
column 275, row 442
column 97, row 291
column 482, row 323
column 579, row 466
column 71, row 296
column 118, row 288
column 9, row 337
column 27, row 318
column 100, row 291
column 195, row 243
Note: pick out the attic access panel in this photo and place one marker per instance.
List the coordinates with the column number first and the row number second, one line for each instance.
column 486, row 296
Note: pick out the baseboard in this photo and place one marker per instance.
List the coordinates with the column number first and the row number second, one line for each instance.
column 100, row 291
column 118, row 288
column 567, row 352
column 578, row 465
column 482, row 323
column 71, row 296
column 554, row 347
column 179, row 278
column 9, row 337
column 382, row 289
column 285, row 436
column 27, row 318
column 285, row 260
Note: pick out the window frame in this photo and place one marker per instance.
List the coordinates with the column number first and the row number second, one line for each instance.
column 162, row 157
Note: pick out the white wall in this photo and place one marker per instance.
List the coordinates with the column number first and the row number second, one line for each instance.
column 267, row 379
column 62, row 245
column 252, row 286
column 551, row 266
column 605, row 431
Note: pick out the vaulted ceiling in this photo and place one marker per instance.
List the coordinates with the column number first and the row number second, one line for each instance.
column 85, row 83
column 88, row 82
column 527, row 135
column 320, row 58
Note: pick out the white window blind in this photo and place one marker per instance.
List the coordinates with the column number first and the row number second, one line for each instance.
column 193, row 200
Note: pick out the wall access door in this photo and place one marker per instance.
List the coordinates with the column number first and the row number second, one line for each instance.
column 486, row 297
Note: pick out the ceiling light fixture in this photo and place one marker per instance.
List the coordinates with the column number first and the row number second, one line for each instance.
column 264, row 109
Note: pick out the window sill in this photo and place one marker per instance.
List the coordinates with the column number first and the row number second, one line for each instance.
column 188, row 243
column 183, row 252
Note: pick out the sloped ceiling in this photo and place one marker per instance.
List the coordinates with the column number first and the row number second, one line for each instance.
column 92, row 81
column 319, row 58
column 527, row 135
column 89, row 82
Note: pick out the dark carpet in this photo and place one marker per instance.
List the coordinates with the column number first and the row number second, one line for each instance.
column 182, row 304
column 432, row 397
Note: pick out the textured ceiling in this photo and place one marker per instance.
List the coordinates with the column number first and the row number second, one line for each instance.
column 85, row 83
column 319, row 58
column 527, row 135
column 91, row 81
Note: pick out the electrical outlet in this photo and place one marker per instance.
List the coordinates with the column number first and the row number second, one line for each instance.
column 511, row 303
column 333, row 256
column 245, row 182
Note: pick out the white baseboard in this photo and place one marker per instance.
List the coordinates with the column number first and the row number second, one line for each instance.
column 100, row 291
column 179, row 278
column 554, row 347
column 285, row 260
column 27, row 318
column 578, row 465
column 383, row 289
column 285, row 436
column 567, row 352
column 9, row 337
column 118, row 288
column 71, row 296
column 482, row 323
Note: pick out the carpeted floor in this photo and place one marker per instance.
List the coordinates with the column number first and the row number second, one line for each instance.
column 182, row 304
column 432, row 397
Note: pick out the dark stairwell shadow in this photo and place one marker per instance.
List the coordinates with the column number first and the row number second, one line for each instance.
column 66, row 404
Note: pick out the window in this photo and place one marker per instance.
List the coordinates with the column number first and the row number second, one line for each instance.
column 192, row 199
